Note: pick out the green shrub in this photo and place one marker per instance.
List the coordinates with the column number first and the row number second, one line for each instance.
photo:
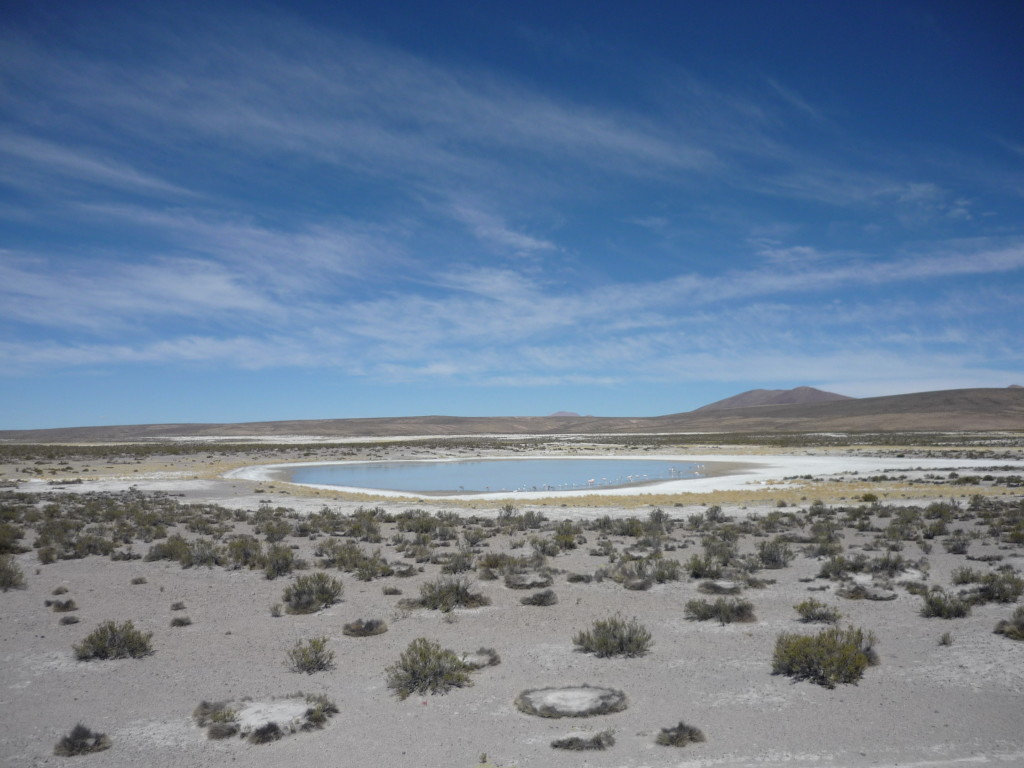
column 832, row 656
column 111, row 640
column 81, row 741
column 311, row 656
column 312, row 592
column 774, row 554
column 614, row 637
column 219, row 719
column 1013, row 627
column 939, row 604
column 545, row 597
column 679, row 735
column 597, row 741
column 449, row 592
column 725, row 609
column 812, row 610
column 279, row 560
column 426, row 667
column 11, row 576
column 1001, row 587
column 360, row 628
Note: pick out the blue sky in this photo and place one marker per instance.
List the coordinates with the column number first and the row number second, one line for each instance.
column 257, row 211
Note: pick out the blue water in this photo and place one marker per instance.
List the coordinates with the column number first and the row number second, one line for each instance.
column 493, row 475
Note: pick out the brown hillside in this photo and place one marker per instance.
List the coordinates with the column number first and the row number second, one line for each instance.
column 947, row 410
column 755, row 397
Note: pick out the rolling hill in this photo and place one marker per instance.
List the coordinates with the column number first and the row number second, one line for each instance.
column 946, row 410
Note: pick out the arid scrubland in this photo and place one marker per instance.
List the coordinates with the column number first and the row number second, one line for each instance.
column 877, row 623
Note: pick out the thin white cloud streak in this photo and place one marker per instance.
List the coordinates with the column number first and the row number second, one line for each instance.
column 42, row 165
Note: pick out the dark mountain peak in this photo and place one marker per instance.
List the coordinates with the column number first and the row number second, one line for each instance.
column 755, row 397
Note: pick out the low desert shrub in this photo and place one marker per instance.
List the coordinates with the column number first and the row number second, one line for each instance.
column 1013, row 627
column 181, row 621
column 679, row 735
column 598, row 741
column 725, row 609
column 483, row 657
column 178, row 606
column 81, row 741
column 426, row 667
column 111, row 640
column 279, row 560
column 946, row 638
column 812, row 611
column 219, row 719
column 939, row 604
column 614, row 637
column 11, row 576
column 1001, row 587
column 312, row 592
column 310, row 656
column 360, row 628
column 68, row 620
column 832, row 656
column 545, row 597
column 449, row 592
column 266, row 733
column 139, row 580
column 774, row 554
column 64, row 606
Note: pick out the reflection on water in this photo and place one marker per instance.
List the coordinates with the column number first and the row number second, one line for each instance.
column 494, row 475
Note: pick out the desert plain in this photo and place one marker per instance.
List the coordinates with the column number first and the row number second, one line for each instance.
column 867, row 527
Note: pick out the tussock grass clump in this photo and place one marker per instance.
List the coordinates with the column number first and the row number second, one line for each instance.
column 111, row 640
column 11, row 576
column 360, row 628
column 614, row 637
column 426, row 667
column 1001, row 587
column 178, row 606
column 310, row 656
column 812, row 611
column 312, row 592
column 597, row 741
column 775, row 553
column 679, row 735
column 81, row 741
column 266, row 733
column 832, row 656
column 546, row 597
column 939, row 604
column 725, row 609
column 219, row 719
column 63, row 606
column 449, row 592
column 181, row 621
column 68, row 620
column 1013, row 627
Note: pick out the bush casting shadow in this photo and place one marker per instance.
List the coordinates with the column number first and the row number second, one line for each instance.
column 111, row 640
column 832, row 656
column 426, row 667
column 679, row 735
column 81, row 741
column 311, row 593
column 614, row 637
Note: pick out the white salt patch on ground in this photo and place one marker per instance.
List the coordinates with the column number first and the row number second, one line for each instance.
column 285, row 712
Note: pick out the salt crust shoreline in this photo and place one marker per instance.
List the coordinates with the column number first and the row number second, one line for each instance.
column 724, row 473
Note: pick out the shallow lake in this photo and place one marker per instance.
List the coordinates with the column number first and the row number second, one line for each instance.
column 492, row 475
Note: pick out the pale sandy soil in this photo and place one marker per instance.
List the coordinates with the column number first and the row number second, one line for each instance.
column 924, row 705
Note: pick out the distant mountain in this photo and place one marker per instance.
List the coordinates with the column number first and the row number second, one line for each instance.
column 942, row 411
column 755, row 397
column 563, row 414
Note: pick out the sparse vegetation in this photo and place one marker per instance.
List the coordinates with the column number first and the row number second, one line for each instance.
column 1013, row 627
column 614, row 637
column 940, row 604
column 725, row 609
column 312, row 592
column 449, row 592
column 832, row 656
column 544, row 597
column 596, row 741
column 426, row 667
column 111, row 640
column 181, row 621
column 81, row 741
column 812, row 611
column 11, row 576
column 368, row 628
column 311, row 656
column 679, row 735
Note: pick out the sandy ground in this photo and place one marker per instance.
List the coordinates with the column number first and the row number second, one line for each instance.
column 924, row 705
